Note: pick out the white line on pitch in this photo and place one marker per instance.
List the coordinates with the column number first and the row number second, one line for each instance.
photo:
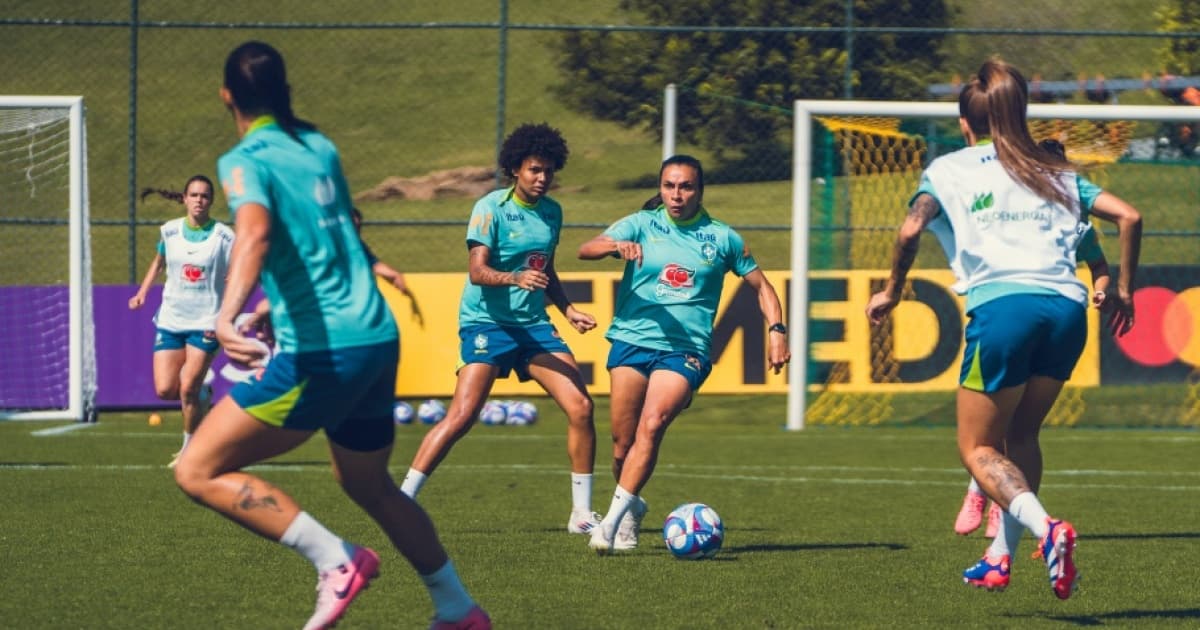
column 555, row 470
column 66, row 428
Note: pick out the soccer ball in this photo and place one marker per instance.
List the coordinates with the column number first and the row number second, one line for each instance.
column 521, row 413
column 431, row 411
column 402, row 412
column 693, row 531
column 493, row 413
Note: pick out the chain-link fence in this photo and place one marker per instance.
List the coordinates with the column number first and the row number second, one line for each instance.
column 407, row 89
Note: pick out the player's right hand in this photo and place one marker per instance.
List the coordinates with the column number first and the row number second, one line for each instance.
column 136, row 302
column 239, row 347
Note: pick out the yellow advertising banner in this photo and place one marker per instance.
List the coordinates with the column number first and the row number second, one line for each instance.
column 924, row 337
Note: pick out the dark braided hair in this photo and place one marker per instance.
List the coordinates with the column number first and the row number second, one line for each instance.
column 175, row 195
column 256, row 78
column 531, row 140
column 682, row 159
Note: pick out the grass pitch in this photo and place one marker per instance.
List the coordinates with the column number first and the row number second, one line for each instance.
column 829, row 527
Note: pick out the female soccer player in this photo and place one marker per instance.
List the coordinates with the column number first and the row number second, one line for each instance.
column 194, row 251
column 336, row 365
column 1010, row 215
column 970, row 515
column 676, row 260
column 511, row 239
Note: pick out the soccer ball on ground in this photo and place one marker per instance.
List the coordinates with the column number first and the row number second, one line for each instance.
column 693, row 531
column 402, row 412
column 521, row 412
column 493, row 413
column 431, row 411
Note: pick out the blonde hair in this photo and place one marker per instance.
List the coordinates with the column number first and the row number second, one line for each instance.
column 994, row 104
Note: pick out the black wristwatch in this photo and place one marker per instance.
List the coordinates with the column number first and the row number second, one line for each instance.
column 779, row 328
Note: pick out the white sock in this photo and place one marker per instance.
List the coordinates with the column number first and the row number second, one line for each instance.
column 581, row 492
column 412, row 482
column 186, row 438
column 1026, row 508
column 322, row 547
column 1007, row 537
column 450, row 599
column 621, row 502
column 974, row 487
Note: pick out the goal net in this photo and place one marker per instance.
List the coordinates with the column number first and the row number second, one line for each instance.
column 857, row 164
column 46, row 328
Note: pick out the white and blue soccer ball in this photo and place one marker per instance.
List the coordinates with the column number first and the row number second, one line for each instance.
column 402, row 412
column 431, row 411
column 521, row 413
column 693, row 531
column 493, row 413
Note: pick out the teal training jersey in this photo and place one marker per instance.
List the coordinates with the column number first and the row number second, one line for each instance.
column 517, row 237
column 316, row 277
column 670, row 301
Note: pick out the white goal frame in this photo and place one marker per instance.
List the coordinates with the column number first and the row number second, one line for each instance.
column 805, row 110
column 81, row 357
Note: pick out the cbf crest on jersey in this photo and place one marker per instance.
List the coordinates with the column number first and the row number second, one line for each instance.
column 537, row 261
column 708, row 252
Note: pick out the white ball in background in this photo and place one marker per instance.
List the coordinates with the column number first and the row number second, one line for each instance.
column 402, row 412
column 493, row 412
column 431, row 411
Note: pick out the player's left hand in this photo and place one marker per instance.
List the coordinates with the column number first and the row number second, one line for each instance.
column 779, row 353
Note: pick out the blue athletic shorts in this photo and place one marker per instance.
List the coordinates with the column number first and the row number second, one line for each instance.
column 205, row 340
column 689, row 365
column 1014, row 337
column 348, row 392
column 508, row 347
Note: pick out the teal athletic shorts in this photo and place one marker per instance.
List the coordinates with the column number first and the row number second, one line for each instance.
column 348, row 392
column 1014, row 337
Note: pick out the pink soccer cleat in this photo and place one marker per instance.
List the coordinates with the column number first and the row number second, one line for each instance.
column 1058, row 550
column 971, row 514
column 475, row 620
column 995, row 520
column 338, row 587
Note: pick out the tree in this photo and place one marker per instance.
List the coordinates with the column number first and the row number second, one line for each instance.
column 737, row 86
column 1180, row 55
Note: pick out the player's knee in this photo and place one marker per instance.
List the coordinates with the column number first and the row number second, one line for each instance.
column 167, row 391
column 190, row 479
column 579, row 411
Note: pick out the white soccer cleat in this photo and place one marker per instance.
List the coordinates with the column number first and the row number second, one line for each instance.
column 601, row 540
column 582, row 521
column 630, row 525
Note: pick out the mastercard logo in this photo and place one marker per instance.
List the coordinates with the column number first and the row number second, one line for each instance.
column 1166, row 327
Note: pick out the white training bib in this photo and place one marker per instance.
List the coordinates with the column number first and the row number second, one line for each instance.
column 195, row 277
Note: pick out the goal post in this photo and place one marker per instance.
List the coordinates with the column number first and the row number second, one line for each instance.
column 46, row 320
column 851, row 209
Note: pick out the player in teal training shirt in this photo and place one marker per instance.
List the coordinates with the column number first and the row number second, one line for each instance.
column 503, row 326
column 676, row 260
column 336, row 365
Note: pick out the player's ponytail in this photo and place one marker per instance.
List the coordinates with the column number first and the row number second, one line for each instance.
column 175, row 195
column 994, row 105
column 256, row 78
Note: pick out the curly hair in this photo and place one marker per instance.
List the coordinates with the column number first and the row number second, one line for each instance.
column 531, row 140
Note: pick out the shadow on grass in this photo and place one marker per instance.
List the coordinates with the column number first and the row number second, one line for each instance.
column 1152, row 536
column 816, row 547
column 1124, row 615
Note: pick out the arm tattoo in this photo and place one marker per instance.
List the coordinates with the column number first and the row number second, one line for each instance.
column 485, row 274
column 246, row 500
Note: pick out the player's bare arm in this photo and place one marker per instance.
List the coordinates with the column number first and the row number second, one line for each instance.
column 484, row 275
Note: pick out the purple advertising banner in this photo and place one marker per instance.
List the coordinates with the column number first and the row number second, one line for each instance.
column 125, row 351
column 34, row 323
